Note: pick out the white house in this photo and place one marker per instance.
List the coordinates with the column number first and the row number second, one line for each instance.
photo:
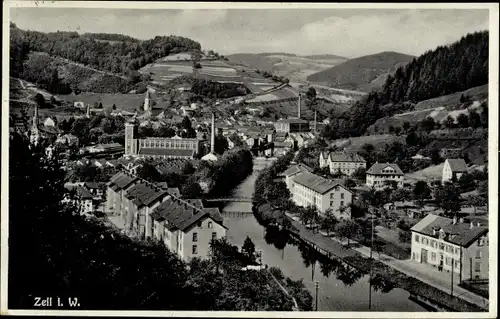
column 380, row 174
column 346, row 163
column 50, row 122
column 326, row 194
column 452, row 245
column 453, row 166
column 292, row 171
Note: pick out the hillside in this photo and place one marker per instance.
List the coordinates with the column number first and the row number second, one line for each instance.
column 437, row 108
column 296, row 68
column 359, row 73
column 449, row 69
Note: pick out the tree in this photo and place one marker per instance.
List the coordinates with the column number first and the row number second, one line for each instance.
column 463, row 120
column 404, row 236
column 447, row 198
column 406, row 126
column 397, row 130
column 378, row 247
column 427, row 124
column 248, row 249
column 113, row 107
column 191, row 189
column 421, row 192
column 221, row 144
column 449, row 122
column 328, row 222
column 346, row 229
column 39, row 100
column 360, row 174
column 474, row 119
column 149, row 172
column 466, row 182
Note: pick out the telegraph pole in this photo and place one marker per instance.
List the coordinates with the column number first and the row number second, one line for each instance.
column 371, row 261
column 317, row 287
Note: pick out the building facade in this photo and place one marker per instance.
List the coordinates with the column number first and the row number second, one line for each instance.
column 149, row 210
column 453, row 167
column 292, row 125
column 452, row 245
column 325, row 194
column 346, row 163
column 380, row 175
column 175, row 147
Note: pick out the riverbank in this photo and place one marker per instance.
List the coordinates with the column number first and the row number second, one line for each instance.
column 334, row 249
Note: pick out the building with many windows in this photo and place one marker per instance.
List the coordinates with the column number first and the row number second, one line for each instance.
column 346, row 163
column 380, row 175
column 325, row 194
column 292, row 125
column 452, row 245
column 175, row 147
column 149, row 210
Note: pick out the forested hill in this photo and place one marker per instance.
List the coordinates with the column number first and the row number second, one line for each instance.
column 117, row 58
column 110, row 37
column 447, row 69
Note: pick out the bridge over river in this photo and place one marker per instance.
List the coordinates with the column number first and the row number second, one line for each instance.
column 334, row 294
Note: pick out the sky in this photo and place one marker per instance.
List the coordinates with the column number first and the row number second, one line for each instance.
column 345, row 32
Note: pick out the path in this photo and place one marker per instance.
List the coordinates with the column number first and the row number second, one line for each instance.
column 421, row 272
column 295, row 305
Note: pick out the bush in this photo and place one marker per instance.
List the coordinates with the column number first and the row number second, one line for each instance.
column 276, row 272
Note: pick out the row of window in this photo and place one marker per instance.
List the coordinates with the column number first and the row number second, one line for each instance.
column 332, row 203
column 195, row 236
column 332, row 195
column 187, row 145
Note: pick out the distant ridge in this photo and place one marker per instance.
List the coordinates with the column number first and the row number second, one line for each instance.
column 324, row 56
column 358, row 73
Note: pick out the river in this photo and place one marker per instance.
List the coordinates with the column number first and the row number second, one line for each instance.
column 334, row 294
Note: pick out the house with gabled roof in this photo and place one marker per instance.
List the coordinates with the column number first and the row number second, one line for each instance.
column 345, row 162
column 453, row 167
column 452, row 245
column 80, row 196
column 380, row 175
column 292, row 171
column 325, row 194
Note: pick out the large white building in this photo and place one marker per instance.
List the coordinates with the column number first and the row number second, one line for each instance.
column 346, row 163
column 451, row 244
column 326, row 194
column 380, row 175
column 453, row 166
column 149, row 210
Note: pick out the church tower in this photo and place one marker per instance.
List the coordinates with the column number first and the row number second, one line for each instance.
column 35, row 131
column 147, row 101
column 131, row 138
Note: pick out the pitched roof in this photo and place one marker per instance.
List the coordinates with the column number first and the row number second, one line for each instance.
column 457, row 164
column 293, row 121
column 121, row 180
column 317, row 183
column 345, row 157
column 144, row 193
column 166, row 152
column 376, row 169
column 182, row 214
column 295, row 169
column 81, row 192
column 459, row 234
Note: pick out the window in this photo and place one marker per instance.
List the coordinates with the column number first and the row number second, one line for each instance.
column 210, row 225
column 448, row 261
column 479, row 254
column 214, row 236
column 331, row 203
column 331, row 195
column 342, row 196
column 195, row 237
column 457, row 250
column 477, row 268
column 457, row 263
column 200, row 225
column 417, row 238
column 433, row 243
column 342, row 203
column 195, row 249
column 433, row 256
column 441, row 246
column 480, row 241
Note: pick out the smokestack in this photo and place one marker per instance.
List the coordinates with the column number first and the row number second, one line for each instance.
column 315, row 117
column 298, row 106
column 212, row 139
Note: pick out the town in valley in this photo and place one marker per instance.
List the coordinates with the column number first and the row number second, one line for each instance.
column 169, row 172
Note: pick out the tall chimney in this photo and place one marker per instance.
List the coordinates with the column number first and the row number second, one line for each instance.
column 298, row 107
column 315, row 113
column 212, row 139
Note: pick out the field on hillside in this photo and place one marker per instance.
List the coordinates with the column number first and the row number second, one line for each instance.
column 437, row 108
column 296, row 68
column 430, row 173
column 281, row 94
column 128, row 102
column 355, row 144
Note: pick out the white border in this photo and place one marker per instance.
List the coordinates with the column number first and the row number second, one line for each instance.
column 492, row 153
